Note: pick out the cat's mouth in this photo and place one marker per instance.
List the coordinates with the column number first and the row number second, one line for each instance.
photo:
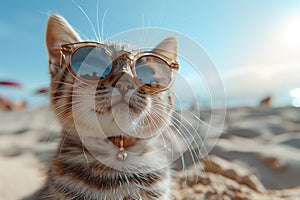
column 123, row 142
column 123, row 103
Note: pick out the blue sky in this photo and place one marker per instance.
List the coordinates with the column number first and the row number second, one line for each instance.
column 245, row 39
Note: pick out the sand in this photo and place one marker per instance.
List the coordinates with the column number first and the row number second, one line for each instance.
column 257, row 157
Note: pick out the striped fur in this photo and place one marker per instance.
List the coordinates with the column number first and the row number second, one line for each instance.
column 76, row 171
column 84, row 177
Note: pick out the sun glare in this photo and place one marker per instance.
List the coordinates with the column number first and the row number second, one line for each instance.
column 293, row 33
column 295, row 94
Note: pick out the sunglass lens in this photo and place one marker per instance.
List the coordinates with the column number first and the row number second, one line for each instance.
column 91, row 63
column 153, row 72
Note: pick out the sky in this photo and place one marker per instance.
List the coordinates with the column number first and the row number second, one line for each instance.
column 254, row 44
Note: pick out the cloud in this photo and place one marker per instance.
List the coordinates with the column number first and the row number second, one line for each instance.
column 249, row 83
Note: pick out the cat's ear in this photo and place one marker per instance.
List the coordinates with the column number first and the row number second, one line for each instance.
column 168, row 47
column 58, row 32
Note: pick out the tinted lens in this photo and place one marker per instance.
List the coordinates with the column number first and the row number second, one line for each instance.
column 153, row 72
column 91, row 63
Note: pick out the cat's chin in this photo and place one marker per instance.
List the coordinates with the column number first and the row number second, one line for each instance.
column 121, row 121
column 122, row 107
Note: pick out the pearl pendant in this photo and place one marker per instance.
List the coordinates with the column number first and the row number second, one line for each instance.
column 122, row 155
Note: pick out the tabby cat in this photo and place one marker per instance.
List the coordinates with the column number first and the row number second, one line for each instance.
column 114, row 104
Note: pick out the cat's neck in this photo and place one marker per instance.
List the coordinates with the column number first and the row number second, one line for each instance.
column 78, row 172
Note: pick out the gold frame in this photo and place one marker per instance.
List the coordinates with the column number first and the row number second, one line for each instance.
column 67, row 50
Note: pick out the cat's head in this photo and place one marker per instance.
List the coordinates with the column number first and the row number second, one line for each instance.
column 108, row 86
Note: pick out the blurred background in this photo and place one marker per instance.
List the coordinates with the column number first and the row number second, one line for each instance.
column 255, row 45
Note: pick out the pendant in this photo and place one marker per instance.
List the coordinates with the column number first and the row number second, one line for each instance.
column 122, row 155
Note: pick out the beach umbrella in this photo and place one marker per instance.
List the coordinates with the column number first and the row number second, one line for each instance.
column 10, row 83
column 42, row 91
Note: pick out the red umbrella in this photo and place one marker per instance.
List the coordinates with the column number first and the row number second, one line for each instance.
column 42, row 91
column 10, row 83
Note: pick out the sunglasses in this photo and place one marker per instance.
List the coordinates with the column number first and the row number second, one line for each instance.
column 96, row 62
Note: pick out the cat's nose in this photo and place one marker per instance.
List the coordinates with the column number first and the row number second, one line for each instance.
column 124, row 86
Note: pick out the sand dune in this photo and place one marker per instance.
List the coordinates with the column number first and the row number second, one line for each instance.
column 258, row 156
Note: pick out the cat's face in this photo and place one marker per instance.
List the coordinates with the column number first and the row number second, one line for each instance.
column 110, row 88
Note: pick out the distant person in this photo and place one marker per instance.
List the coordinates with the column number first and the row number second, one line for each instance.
column 266, row 101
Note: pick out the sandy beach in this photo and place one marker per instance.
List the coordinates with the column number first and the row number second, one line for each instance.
column 257, row 157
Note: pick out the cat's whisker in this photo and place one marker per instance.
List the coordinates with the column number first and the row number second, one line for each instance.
column 103, row 22
column 107, row 32
column 63, row 82
column 89, row 20
column 149, row 121
column 78, row 80
column 97, row 20
column 65, row 122
column 78, row 90
column 75, row 88
column 62, row 112
column 67, row 110
column 168, row 130
column 68, row 91
column 196, row 117
column 196, row 129
column 73, row 125
column 194, row 153
column 178, row 131
column 189, row 144
column 147, row 117
column 82, row 34
column 158, row 117
column 86, row 124
column 65, row 136
column 72, row 96
column 186, row 130
column 66, row 104
column 201, row 140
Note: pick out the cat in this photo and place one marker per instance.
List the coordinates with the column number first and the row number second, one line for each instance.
column 114, row 104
